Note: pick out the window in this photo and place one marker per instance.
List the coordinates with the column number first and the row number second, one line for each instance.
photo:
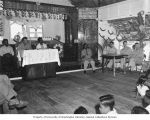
column 16, row 28
column 36, row 32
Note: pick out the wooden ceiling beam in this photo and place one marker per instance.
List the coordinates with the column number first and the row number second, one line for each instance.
column 93, row 3
column 96, row 2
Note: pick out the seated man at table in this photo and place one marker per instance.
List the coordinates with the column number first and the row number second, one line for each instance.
column 110, row 50
column 86, row 56
column 9, row 61
column 136, row 57
column 41, row 44
column 24, row 45
column 125, row 51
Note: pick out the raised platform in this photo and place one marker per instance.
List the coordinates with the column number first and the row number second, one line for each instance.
column 65, row 66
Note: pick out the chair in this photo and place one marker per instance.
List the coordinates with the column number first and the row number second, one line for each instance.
column 139, row 67
column 82, row 65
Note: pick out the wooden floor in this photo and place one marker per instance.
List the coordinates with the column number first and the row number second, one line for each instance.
column 63, row 94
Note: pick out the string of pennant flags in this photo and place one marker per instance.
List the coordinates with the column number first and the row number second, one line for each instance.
column 33, row 14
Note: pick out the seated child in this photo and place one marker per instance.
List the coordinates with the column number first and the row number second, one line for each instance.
column 139, row 110
column 81, row 110
column 146, row 101
column 106, row 105
column 141, row 87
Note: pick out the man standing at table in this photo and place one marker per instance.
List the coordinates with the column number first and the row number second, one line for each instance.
column 125, row 51
column 24, row 45
column 110, row 50
column 86, row 56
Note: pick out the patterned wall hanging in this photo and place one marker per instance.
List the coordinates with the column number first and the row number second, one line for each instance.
column 9, row 13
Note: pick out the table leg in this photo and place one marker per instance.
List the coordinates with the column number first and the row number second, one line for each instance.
column 103, row 64
column 114, row 70
column 124, row 66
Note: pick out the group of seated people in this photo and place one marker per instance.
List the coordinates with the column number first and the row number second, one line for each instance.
column 11, row 58
column 133, row 56
column 106, row 105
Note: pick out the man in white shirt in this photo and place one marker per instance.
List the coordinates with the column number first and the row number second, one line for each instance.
column 110, row 50
column 146, row 101
column 40, row 44
column 142, row 89
column 125, row 51
column 136, row 57
column 6, row 48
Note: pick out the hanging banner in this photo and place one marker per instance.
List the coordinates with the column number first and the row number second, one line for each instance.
column 33, row 14
column 88, row 13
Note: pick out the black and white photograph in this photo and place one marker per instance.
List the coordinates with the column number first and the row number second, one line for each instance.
column 75, row 57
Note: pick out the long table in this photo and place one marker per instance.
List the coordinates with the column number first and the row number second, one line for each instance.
column 114, row 57
column 40, row 63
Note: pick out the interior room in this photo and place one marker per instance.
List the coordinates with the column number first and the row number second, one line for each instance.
column 74, row 56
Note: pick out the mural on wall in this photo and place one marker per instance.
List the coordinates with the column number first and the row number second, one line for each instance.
column 130, row 29
column 133, row 28
column 106, row 33
column 87, row 33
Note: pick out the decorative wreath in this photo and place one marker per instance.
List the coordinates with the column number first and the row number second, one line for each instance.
column 59, row 47
column 17, row 38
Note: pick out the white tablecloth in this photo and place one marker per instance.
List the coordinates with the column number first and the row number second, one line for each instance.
column 40, row 56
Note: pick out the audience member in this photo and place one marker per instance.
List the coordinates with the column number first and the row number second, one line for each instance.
column 139, row 110
column 86, row 56
column 107, row 103
column 146, row 101
column 41, row 44
column 7, row 91
column 141, row 87
column 81, row 110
